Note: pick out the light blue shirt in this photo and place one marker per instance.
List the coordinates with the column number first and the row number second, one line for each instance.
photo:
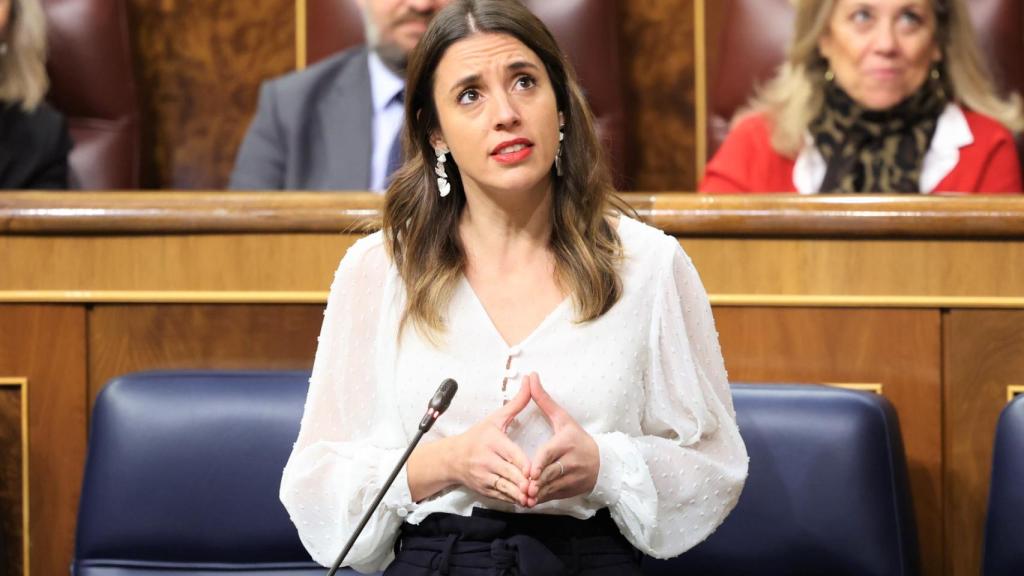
column 387, row 118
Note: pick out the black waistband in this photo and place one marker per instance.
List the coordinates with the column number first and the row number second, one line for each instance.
column 536, row 544
column 486, row 525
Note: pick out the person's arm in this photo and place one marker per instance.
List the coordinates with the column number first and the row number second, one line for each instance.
column 52, row 173
column 260, row 163
column 350, row 436
column 670, row 488
column 1002, row 174
column 728, row 171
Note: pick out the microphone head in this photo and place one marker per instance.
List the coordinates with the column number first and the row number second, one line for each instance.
column 443, row 397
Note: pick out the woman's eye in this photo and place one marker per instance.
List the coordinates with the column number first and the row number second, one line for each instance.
column 468, row 96
column 861, row 16
column 911, row 18
column 524, row 82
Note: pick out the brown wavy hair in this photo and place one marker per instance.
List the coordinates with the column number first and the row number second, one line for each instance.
column 421, row 229
column 23, row 78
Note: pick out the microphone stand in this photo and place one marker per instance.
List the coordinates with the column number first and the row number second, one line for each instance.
column 376, row 502
column 438, row 404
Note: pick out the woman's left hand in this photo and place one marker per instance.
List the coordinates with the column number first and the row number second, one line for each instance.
column 568, row 463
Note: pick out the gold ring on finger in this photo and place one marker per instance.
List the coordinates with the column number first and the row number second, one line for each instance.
column 561, row 469
column 495, row 485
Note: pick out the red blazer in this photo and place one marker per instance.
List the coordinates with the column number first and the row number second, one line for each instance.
column 746, row 162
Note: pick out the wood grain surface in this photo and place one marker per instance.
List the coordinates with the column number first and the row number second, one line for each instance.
column 900, row 349
column 45, row 344
column 985, row 354
column 199, row 68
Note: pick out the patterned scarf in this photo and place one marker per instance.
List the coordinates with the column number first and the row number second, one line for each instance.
column 876, row 151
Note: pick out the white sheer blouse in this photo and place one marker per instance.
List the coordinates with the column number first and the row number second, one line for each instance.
column 646, row 379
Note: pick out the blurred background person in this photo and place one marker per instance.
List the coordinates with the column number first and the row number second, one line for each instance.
column 34, row 141
column 335, row 125
column 875, row 96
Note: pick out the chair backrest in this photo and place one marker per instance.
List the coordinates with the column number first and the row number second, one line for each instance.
column 1004, row 528
column 183, row 472
column 587, row 30
column 182, row 476
column 755, row 34
column 827, row 491
column 93, row 84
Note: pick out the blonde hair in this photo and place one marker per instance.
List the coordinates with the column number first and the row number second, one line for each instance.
column 23, row 68
column 421, row 228
column 794, row 97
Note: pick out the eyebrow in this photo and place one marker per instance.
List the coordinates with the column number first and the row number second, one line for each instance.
column 473, row 79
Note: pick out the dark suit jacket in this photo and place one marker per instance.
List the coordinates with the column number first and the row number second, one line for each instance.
column 313, row 130
column 34, row 148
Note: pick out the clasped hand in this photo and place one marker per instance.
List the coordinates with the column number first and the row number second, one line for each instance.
column 492, row 465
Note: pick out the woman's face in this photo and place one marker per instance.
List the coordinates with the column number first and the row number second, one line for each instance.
column 881, row 51
column 5, row 16
column 497, row 113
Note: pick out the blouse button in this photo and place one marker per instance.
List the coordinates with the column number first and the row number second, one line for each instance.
column 514, row 351
column 511, row 373
column 402, row 512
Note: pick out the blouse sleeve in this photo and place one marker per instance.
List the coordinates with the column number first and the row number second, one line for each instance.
column 347, row 445
column 671, row 487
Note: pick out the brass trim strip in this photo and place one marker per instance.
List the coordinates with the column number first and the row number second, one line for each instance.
column 320, row 297
column 164, row 297
column 22, row 384
column 1013, row 391
column 874, row 387
column 842, row 301
column 300, row 34
column 700, row 85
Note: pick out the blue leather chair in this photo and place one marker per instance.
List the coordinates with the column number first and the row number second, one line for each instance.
column 182, row 477
column 1004, row 529
column 827, row 491
column 183, row 471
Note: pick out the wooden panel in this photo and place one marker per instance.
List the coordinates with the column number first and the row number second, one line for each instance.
column 985, row 354
column 922, row 269
column 46, row 345
column 200, row 66
column 898, row 348
column 200, row 262
column 659, row 68
column 12, row 503
column 125, row 339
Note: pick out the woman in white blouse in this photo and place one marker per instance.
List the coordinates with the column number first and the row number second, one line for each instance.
column 593, row 418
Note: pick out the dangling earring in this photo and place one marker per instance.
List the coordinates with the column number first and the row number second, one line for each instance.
column 558, row 153
column 443, row 186
column 937, row 80
column 830, row 76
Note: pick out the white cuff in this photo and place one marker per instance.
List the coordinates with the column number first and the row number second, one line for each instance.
column 398, row 498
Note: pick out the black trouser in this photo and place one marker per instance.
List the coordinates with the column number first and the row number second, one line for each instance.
column 492, row 543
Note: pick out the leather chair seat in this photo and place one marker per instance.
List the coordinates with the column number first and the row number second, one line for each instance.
column 92, row 83
column 183, row 472
column 1004, row 527
column 827, row 491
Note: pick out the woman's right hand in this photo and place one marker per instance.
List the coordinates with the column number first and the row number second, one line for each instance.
column 486, row 461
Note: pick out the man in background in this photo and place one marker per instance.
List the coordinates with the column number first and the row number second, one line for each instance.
column 335, row 125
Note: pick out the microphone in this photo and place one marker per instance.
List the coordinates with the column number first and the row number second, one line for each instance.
column 438, row 404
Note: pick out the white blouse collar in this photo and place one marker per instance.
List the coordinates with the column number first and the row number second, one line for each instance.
column 951, row 134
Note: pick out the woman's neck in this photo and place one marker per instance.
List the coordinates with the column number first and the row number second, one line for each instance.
column 506, row 230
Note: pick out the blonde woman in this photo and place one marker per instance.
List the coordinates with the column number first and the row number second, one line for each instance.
column 875, row 96
column 593, row 419
column 34, row 142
